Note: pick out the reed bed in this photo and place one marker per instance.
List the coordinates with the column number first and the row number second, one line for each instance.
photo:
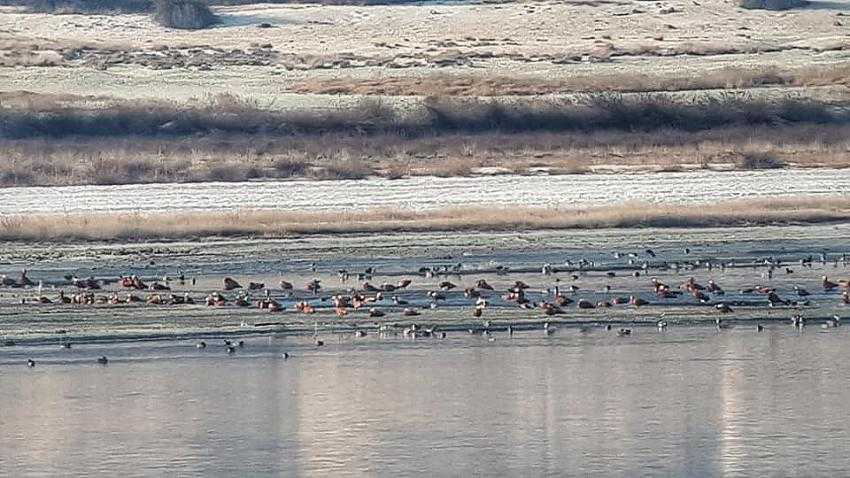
column 271, row 223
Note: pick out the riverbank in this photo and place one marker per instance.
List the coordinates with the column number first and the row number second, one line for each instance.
column 598, row 267
column 272, row 224
column 77, row 140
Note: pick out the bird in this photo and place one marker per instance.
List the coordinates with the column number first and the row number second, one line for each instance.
column 319, row 343
column 30, row 363
column 759, row 328
column 828, row 284
column 201, row 345
column 102, row 360
column 285, row 356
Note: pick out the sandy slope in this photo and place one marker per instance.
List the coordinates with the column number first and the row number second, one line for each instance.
column 540, row 39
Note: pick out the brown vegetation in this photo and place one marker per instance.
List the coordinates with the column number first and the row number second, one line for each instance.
column 439, row 84
column 438, row 115
column 138, row 6
column 277, row 224
column 184, row 14
column 52, row 140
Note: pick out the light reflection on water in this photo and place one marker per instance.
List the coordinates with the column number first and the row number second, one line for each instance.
column 689, row 401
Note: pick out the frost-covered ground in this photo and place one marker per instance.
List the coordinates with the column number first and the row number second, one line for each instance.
column 423, row 193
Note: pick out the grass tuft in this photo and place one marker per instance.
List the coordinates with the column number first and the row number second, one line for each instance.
column 66, row 228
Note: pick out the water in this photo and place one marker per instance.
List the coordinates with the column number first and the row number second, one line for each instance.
column 422, row 193
column 690, row 401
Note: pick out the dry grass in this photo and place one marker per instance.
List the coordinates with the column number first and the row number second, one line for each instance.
column 441, row 84
column 435, row 116
column 61, row 228
column 71, row 161
column 59, row 140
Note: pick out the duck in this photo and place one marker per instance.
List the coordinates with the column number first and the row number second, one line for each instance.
column 773, row 299
column 482, row 284
column 319, row 343
column 624, row 332
column 828, row 284
column 103, row 360
column 230, row 284
column 314, row 286
column 446, row 285
column 585, row 304
column 201, row 345
column 285, row 355
column 24, row 280
column 759, row 328
column 30, row 363
column 714, row 288
column 723, row 308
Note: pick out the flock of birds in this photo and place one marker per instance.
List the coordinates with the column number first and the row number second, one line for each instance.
column 393, row 297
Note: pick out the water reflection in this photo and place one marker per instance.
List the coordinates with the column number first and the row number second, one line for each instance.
column 684, row 402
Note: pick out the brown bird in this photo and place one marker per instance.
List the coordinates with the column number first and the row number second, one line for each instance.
column 446, row 285
column 482, row 284
column 828, row 285
column 723, row 308
column 230, row 284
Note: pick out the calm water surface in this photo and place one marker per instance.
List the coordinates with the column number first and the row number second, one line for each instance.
column 689, row 401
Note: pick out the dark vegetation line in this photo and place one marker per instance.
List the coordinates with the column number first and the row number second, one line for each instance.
column 595, row 112
column 148, row 6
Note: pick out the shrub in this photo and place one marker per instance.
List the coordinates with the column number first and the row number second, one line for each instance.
column 287, row 167
column 759, row 160
column 184, row 14
column 344, row 169
column 88, row 6
column 770, row 4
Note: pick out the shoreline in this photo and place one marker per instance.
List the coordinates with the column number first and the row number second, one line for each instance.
column 281, row 224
